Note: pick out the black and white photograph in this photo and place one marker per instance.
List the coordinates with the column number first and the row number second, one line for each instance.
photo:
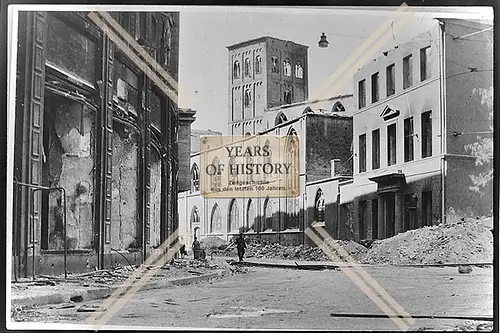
column 250, row 168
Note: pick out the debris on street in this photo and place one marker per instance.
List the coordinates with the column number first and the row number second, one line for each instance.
column 459, row 241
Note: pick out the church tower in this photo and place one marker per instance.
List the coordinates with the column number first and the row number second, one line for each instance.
column 263, row 73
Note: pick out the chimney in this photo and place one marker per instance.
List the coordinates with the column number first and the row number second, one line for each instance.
column 332, row 165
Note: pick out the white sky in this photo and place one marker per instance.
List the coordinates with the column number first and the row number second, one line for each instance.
column 205, row 32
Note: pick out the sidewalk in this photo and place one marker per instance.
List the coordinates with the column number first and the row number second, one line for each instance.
column 80, row 289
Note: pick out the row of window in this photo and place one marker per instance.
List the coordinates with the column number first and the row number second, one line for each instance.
column 425, row 73
column 426, row 142
column 287, row 67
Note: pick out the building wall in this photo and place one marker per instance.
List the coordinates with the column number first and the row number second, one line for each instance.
column 119, row 189
column 469, row 97
column 328, row 137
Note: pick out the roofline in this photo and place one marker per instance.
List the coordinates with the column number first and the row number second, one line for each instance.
column 260, row 39
column 286, row 106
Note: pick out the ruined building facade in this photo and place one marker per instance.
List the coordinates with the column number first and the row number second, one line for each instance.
column 92, row 127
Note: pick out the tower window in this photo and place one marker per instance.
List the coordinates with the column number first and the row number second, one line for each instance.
column 258, row 64
column 287, row 68
column 236, row 69
column 275, row 68
column 390, row 83
column 287, row 97
column 299, row 71
column 247, row 67
column 247, row 98
column 407, row 72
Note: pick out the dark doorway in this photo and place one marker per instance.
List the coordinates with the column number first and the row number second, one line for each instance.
column 374, row 218
column 390, row 214
column 361, row 219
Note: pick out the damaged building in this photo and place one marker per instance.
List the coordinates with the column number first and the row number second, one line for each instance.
column 98, row 143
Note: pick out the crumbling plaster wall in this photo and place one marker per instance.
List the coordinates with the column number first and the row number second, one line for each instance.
column 70, row 157
column 124, row 198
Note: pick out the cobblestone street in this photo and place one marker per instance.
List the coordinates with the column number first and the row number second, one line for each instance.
column 291, row 299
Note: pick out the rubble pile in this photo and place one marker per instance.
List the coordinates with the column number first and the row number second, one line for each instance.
column 262, row 249
column 459, row 241
column 213, row 243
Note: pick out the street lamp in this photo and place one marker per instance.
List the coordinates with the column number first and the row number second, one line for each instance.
column 322, row 41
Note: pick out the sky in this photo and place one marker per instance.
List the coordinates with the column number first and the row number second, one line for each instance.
column 205, row 32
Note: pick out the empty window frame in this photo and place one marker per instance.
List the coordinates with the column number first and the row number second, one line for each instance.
column 287, row 68
column 362, row 153
column 408, row 139
column 236, row 69
column 390, row 80
column 274, row 65
column 376, row 149
column 287, row 97
column 362, row 93
column 391, row 144
column 258, row 64
column 299, row 71
column 426, row 134
column 375, row 88
column 407, row 72
column 425, row 65
column 247, row 67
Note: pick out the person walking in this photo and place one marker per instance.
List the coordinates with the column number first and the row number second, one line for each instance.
column 196, row 248
column 241, row 246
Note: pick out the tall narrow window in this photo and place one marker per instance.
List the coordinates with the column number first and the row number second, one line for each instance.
column 362, row 93
column 274, row 66
column 247, row 67
column 375, row 88
column 236, row 69
column 426, row 134
column 287, row 68
column 299, row 71
column 362, row 153
column 287, row 97
column 407, row 72
column 391, row 144
column 376, row 149
column 258, row 64
column 247, row 98
column 408, row 139
column 425, row 65
column 391, row 84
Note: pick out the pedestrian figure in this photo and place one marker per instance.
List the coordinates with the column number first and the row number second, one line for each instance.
column 196, row 248
column 241, row 246
column 182, row 250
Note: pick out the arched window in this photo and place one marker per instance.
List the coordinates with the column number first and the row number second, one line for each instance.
column 291, row 149
column 215, row 179
column 195, row 216
column 274, row 65
column 299, row 71
column 319, row 207
column 258, row 64
column 247, row 98
column 247, row 67
column 233, row 216
column 215, row 219
column 338, row 107
column 268, row 215
column 287, row 68
column 236, row 69
column 195, row 178
column 308, row 110
column 287, row 97
column 280, row 118
column 232, row 173
column 250, row 215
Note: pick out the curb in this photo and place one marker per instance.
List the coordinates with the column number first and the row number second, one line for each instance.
column 103, row 292
column 337, row 266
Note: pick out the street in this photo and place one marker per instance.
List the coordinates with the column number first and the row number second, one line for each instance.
column 272, row 298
